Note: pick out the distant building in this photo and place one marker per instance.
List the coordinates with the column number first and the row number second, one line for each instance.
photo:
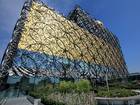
column 44, row 43
column 134, row 76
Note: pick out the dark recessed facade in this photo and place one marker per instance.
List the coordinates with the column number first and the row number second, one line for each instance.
column 45, row 43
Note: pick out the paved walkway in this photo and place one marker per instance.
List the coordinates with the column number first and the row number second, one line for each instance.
column 17, row 101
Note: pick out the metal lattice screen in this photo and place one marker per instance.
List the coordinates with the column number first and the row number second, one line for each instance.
column 54, row 46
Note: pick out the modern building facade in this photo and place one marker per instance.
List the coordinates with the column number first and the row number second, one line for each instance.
column 98, row 29
column 45, row 43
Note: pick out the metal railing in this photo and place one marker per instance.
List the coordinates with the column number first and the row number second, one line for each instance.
column 3, row 101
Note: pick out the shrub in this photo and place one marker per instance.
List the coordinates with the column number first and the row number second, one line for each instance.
column 78, row 86
column 127, row 85
column 35, row 95
column 45, row 101
column 83, row 86
column 116, row 93
column 66, row 86
column 38, row 92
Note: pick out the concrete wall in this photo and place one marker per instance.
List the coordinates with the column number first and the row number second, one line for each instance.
column 134, row 100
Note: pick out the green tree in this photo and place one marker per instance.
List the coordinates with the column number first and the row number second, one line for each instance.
column 83, row 86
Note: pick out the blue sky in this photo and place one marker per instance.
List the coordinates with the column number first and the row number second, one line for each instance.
column 122, row 17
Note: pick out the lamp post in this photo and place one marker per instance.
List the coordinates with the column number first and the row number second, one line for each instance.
column 36, row 72
column 106, row 78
